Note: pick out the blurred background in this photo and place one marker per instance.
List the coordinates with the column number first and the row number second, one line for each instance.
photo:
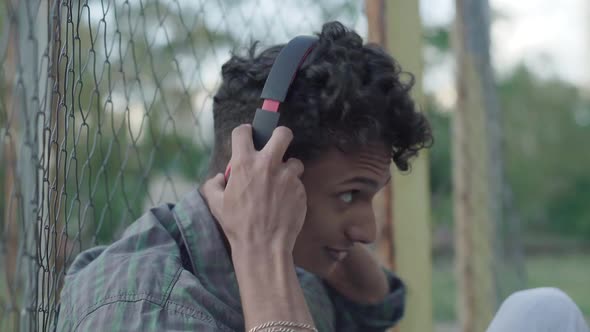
column 105, row 111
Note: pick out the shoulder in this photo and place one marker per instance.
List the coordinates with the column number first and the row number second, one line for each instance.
column 147, row 293
column 140, row 282
column 143, row 265
column 141, row 314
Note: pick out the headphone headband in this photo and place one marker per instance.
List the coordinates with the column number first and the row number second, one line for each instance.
column 285, row 67
column 276, row 87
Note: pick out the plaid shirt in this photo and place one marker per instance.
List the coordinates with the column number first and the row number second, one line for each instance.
column 171, row 271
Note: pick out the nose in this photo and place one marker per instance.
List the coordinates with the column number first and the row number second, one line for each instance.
column 363, row 228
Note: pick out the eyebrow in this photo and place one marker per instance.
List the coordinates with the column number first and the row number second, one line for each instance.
column 366, row 181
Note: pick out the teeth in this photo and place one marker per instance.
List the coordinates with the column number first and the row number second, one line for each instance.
column 341, row 255
column 338, row 255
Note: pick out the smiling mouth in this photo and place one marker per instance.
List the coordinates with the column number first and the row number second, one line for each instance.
column 337, row 255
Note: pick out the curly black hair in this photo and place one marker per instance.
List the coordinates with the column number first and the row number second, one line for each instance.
column 345, row 96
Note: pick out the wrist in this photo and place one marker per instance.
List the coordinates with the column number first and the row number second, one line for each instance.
column 269, row 287
column 251, row 259
column 262, row 254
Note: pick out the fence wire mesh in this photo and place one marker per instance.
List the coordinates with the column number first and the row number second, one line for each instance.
column 105, row 110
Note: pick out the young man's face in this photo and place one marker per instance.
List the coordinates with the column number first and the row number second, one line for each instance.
column 340, row 189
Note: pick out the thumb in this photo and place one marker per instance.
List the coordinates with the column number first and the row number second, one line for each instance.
column 218, row 182
column 213, row 190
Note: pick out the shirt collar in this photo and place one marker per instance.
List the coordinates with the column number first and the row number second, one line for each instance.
column 210, row 259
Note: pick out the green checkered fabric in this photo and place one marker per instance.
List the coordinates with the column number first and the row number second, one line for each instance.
column 170, row 271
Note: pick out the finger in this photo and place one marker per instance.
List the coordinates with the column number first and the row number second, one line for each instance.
column 241, row 141
column 295, row 166
column 278, row 143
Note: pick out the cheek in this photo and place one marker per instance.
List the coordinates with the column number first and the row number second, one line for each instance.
column 321, row 221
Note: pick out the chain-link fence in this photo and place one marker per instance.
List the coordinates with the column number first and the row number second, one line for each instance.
column 106, row 111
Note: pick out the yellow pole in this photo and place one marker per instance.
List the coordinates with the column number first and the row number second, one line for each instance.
column 410, row 194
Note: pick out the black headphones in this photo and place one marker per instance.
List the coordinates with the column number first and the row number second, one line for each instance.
column 275, row 89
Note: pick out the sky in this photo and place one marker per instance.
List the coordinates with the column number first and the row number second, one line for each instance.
column 551, row 37
column 557, row 29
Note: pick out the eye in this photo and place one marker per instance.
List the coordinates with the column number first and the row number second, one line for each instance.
column 348, row 196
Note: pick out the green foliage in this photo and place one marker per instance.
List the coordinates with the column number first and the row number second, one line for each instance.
column 546, row 163
column 124, row 114
column 440, row 166
column 567, row 272
column 439, row 38
column 109, row 173
column 568, row 212
column 444, row 290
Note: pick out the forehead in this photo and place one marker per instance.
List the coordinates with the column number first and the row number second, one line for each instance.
column 370, row 161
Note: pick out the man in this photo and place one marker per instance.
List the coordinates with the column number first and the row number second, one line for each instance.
column 284, row 241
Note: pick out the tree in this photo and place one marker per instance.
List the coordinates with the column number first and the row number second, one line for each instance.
column 476, row 156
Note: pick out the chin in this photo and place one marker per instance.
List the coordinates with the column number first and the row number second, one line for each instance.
column 315, row 262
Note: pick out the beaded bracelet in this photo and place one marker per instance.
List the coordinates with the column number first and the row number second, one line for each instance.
column 283, row 326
